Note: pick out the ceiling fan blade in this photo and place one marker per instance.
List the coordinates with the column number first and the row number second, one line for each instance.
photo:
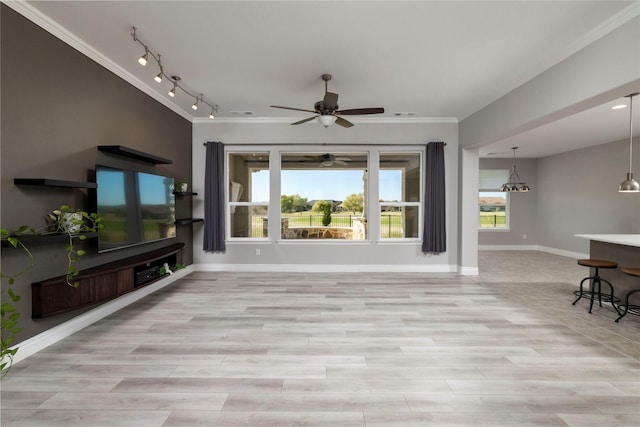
column 340, row 162
column 330, row 101
column 291, row 108
column 343, row 122
column 304, row 120
column 344, row 159
column 356, row 111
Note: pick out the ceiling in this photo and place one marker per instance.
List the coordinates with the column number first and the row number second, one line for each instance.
column 433, row 59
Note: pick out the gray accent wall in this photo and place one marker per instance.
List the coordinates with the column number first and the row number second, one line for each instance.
column 578, row 194
column 57, row 106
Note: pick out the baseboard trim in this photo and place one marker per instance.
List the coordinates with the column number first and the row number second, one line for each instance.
column 469, row 271
column 330, row 268
column 508, row 247
column 51, row 336
column 547, row 249
column 562, row 252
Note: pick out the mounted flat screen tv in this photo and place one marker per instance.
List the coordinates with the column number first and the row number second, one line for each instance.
column 136, row 208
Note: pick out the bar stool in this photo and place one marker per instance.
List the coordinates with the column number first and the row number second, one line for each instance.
column 634, row 309
column 596, row 279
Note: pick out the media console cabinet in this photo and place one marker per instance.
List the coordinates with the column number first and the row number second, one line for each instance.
column 102, row 283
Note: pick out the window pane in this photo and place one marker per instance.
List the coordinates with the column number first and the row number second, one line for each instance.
column 492, row 179
column 249, row 177
column 399, row 177
column 323, row 196
column 398, row 222
column 493, row 209
column 249, row 221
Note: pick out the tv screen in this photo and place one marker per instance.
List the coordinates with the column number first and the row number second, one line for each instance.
column 136, row 208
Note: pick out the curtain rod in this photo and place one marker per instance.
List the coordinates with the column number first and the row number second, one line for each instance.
column 324, row 144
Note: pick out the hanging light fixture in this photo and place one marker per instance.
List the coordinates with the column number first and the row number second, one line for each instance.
column 199, row 99
column 630, row 185
column 515, row 184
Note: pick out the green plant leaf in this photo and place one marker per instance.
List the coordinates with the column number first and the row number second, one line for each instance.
column 14, row 297
column 13, row 241
column 6, row 308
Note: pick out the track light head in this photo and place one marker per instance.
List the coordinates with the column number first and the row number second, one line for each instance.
column 172, row 92
column 158, row 78
column 144, row 58
column 211, row 115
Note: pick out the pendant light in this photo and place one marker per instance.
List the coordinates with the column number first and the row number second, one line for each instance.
column 515, row 184
column 630, row 185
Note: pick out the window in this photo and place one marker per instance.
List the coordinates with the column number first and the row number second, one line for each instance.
column 323, row 195
column 493, row 204
column 248, row 195
column 400, row 195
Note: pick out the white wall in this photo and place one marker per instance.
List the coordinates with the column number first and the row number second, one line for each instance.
column 326, row 255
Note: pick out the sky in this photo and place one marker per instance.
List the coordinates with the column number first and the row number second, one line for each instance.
column 329, row 184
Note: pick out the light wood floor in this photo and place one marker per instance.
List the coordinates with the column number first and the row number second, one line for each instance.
column 505, row 348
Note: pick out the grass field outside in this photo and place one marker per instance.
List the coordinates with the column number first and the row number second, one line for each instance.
column 493, row 220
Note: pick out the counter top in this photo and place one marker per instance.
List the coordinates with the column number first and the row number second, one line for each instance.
column 619, row 239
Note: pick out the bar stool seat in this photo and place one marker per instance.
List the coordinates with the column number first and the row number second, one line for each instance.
column 596, row 280
column 630, row 308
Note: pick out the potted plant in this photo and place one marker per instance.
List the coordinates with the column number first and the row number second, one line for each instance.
column 181, row 186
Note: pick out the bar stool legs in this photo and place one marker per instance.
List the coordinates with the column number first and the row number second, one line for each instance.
column 634, row 309
column 596, row 280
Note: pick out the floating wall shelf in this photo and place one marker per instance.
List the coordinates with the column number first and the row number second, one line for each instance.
column 183, row 221
column 46, row 182
column 134, row 154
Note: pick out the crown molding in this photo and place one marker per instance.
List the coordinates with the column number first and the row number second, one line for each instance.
column 361, row 120
column 57, row 30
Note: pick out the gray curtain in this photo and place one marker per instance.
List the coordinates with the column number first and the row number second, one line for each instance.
column 214, row 198
column 435, row 224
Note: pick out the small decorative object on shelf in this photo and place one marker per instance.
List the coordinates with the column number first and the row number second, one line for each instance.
column 181, row 186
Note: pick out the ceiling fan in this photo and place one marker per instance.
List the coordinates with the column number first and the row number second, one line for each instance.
column 330, row 160
column 324, row 160
column 327, row 110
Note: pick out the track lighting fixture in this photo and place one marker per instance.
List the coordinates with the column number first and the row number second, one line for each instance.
column 173, row 79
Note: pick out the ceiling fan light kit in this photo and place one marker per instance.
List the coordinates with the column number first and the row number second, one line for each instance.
column 630, row 185
column 327, row 111
column 327, row 120
column 514, row 184
column 144, row 59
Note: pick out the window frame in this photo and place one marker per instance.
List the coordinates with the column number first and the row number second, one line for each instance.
column 371, row 191
column 229, row 204
column 419, row 204
column 507, row 204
